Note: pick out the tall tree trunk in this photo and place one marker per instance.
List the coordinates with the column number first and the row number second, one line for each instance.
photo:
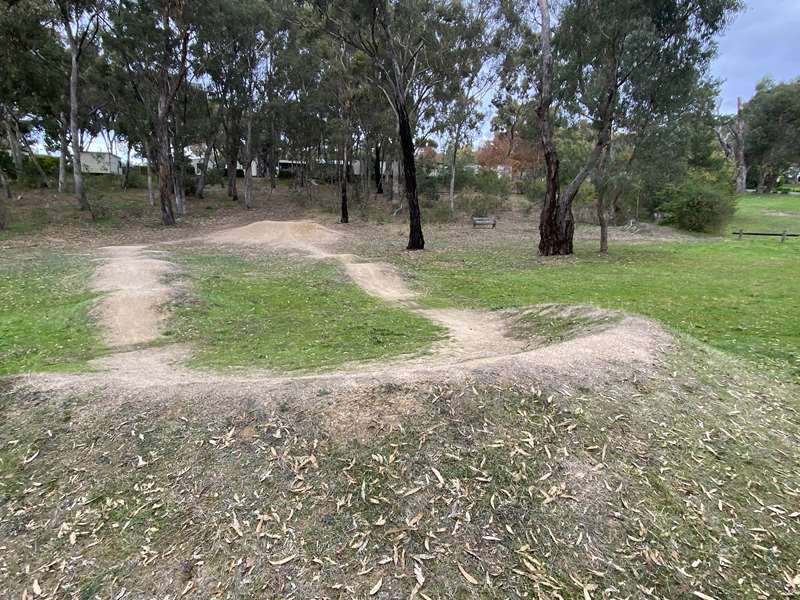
column 5, row 183
column 345, row 218
column 378, row 170
column 453, row 154
column 741, row 165
column 179, row 174
column 395, row 196
column 416, row 241
column 63, row 146
column 556, row 225
column 232, row 160
column 247, row 162
column 3, row 197
column 149, row 162
column 163, row 154
column 201, row 178
column 127, row 166
column 13, row 147
column 77, row 174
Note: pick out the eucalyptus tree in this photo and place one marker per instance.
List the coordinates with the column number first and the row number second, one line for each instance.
column 31, row 57
column 730, row 132
column 405, row 43
column 149, row 39
column 615, row 58
column 772, row 119
column 80, row 21
column 473, row 49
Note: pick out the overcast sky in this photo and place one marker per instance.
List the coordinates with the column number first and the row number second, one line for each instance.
column 763, row 40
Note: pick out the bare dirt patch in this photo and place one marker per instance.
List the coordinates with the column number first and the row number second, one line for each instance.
column 133, row 279
column 302, row 236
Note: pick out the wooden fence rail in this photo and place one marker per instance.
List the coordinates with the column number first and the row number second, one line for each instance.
column 782, row 235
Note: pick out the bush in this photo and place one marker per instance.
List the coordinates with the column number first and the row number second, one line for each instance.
column 439, row 213
column 489, row 182
column 698, row 205
column 214, row 177
column 484, row 205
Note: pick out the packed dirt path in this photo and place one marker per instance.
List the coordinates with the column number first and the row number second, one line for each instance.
column 478, row 343
column 472, row 334
column 133, row 279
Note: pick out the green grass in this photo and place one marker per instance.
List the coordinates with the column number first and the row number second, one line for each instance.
column 773, row 213
column 738, row 296
column 44, row 315
column 288, row 315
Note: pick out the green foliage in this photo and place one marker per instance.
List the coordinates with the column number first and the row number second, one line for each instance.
column 44, row 315
column 737, row 296
column 772, row 119
column 484, row 205
column 698, row 205
column 288, row 315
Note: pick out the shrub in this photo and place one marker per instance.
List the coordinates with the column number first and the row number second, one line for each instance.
column 214, row 177
column 439, row 213
column 484, row 205
column 698, row 205
column 489, row 182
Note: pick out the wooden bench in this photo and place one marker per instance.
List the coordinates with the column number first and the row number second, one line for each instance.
column 484, row 222
column 783, row 235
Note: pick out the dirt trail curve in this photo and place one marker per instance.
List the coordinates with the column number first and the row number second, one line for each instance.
column 472, row 334
column 131, row 314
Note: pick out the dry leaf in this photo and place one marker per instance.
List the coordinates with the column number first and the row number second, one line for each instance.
column 282, row 561
column 376, row 587
column 466, row 575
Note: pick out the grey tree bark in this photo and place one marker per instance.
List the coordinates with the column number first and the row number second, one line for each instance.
column 248, row 160
column 63, row 145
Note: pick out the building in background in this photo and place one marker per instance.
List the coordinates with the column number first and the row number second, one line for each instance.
column 100, row 163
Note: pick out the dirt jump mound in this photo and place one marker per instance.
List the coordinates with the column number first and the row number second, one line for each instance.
column 302, row 236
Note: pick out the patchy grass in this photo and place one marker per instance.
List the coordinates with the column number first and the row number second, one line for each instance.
column 44, row 314
column 675, row 481
column 288, row 314
column 773, row 213
column 737, row 296
column 551, row 324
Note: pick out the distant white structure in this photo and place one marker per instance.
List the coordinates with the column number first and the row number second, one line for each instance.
column 197, row 162
column 100, row 163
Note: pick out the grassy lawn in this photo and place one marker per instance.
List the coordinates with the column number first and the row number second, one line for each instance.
column 741, row 297
column 767, row 213
column 288, row 314
column 44, row 314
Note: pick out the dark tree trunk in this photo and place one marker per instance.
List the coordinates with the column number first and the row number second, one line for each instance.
column 127, row 167
column 5, row 183
column 378, row 170
column 233, row 194
column 201, row 179
column 603, row 220
column 416, row 241
column 556, row 223
column 165, row 183
column 5, row 196
column 345, row 218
